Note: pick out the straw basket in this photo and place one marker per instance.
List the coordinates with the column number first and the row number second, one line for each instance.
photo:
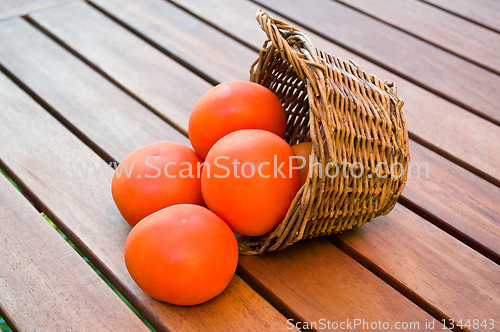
column 353, row 119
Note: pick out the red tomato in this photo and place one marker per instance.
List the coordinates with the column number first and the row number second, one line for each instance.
column 183, row 254
column 303, row 149
column 147, row 188
column 233, row 106
column 254, row 192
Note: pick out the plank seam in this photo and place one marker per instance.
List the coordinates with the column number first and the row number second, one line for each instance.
column 151, row 42
column 105, row 75
column 393, row 282
column 386, row 67
column 445, row 154
column 224, row 31
column 66, row 123
column 8, row 320
column 267, row 294
column 448, row 228
column 461, row 16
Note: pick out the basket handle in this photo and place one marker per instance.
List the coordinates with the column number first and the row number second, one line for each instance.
column 294, row 46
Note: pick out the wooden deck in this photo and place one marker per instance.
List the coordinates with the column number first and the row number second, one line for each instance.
column 90, row 81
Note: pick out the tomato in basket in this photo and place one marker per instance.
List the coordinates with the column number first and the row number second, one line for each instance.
column 304, row 150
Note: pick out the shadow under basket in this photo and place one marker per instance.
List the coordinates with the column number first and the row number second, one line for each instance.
column 354, row 121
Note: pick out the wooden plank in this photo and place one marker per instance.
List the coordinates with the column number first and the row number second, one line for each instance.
column 92, row 106
column 9, row 9
column 432, row 267
column 181, row 34
column 460, row 200
column 39, row 150
column 44, row 284
column 482, row 12
column 145, row 71
column 323, row 283
column 442, row 73
column 460, row 37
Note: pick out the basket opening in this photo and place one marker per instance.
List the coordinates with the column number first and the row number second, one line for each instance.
column 280, row 77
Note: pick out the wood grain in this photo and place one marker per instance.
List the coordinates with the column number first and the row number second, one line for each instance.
column 458, row 80
column 167, row 87
column 183, row 35
column 39, row 150
column 44, row 284
column 458, row 36
column 320, row 282
column 463, row 203
column 427, row 264
column 79, row 96
column 484, row 12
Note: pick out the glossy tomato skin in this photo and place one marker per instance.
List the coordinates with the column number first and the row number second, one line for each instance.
column 184, row 254
column 149, row 189
column 251, row 205
column 232, row 106
column 304, row 150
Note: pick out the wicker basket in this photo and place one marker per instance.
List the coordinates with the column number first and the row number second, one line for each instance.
column 349, row 116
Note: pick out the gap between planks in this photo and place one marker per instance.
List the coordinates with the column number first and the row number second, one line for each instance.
column 471, row 20
column 77, row 132
column 108, row 77
column 151, row 42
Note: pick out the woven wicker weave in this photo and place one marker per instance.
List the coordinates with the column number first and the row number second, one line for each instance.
column 348, row 115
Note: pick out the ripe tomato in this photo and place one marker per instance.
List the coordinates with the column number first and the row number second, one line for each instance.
column 303, row 149
column 233, row 106
column 154, row 177
column 253, row 193
column 183, row 254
